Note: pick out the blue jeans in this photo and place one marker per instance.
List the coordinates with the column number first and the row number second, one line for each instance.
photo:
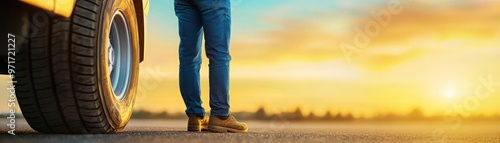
column 212, row 18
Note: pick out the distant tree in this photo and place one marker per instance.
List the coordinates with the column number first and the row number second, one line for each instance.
column 260, row 114
column 163, row 114
column 390, row 116
column 338, row 117
column 311, row 116
column 416, row 114
column 141, row 114
column 297, row 115
column 328, row 115
column 348, row 117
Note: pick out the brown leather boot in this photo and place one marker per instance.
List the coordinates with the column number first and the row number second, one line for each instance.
column 197, row 124
column 230, row 124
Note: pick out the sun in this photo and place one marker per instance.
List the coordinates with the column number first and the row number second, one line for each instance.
column 449, row 93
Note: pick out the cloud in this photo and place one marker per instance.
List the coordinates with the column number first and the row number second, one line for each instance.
column 424, row 29
column 471, row 20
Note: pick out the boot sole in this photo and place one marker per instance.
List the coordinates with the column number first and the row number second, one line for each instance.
column 221, row 129
column 197, row 128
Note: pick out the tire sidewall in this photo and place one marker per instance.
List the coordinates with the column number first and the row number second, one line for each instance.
column 117, row 112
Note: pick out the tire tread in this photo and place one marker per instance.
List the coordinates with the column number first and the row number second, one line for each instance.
column 63, row 97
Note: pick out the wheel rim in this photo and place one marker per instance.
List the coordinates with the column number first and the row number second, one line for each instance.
column 119, row 58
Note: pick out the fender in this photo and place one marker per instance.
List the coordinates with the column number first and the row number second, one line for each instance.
column 65, row 8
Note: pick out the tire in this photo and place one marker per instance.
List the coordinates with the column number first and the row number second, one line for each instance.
column 80, row 74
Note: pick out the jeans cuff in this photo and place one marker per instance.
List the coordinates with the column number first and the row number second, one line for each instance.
column 195, row 114
column 218, row 114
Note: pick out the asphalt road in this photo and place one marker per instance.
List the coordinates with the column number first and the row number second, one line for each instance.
column 151, row 131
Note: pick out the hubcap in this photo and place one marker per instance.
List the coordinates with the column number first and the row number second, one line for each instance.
column 119, row 55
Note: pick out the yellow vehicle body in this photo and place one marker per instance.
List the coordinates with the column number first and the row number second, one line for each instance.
column 65, row 8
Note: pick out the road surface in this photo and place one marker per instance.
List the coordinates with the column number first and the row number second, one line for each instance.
column 151, row 131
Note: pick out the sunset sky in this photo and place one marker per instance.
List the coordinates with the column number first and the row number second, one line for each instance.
column 287, row 54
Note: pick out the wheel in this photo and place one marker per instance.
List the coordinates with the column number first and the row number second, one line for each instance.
column 80, row 74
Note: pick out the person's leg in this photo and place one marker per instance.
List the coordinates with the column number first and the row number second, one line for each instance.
column 190, row 33
column 216, row 17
